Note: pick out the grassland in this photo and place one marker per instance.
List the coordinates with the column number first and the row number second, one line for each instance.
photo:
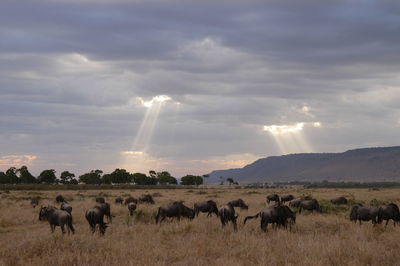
column 317, row 239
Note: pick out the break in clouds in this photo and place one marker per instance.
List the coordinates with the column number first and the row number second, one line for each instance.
column 194, row 86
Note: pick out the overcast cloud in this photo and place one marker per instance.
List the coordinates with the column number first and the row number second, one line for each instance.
column 75, row 77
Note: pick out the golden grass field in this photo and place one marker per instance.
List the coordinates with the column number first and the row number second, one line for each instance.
column 316, row 239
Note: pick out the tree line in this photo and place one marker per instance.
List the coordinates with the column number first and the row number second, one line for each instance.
column 119, row 176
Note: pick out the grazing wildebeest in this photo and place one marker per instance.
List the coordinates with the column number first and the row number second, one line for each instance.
column 106, row 209
column 174, row 209
column 100, row 200
column 295, row 203
column 130, row 199
column 119, row 200
column 364, row 213
column 287, row 198
column 34, row 202
column 309, row 205
column 95, row 216
column 339, row 200
column 56, row 217
column 131, row 208
column 66, row 207
column 146, row 199
column 387, row 212
column 207, row 206
column 239, row 203
column 273, row 197
column 60, row 199
column 227, row 213
column 277, row 215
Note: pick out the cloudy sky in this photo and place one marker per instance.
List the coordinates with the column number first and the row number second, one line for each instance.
column 194, row 86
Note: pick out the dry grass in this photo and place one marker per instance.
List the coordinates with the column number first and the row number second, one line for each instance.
column 317, row 239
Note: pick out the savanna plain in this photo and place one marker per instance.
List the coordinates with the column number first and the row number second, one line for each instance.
column 327, row 238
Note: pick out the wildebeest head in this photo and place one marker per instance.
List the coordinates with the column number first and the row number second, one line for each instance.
column 353, row 213
column 44, row 212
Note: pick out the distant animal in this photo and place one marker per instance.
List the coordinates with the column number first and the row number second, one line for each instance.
column 387, row 212
column 174, row 209
column 56, row 217
column 364, row 213
column 60, row 199
column 95, row 216
column 286, row 198
column 34, row 203
column 66, row 207
column 310, row 205
column 295, row 203
column 273, row 197
column 277, row 215
column 239, row 203
column 106, row 209
column 227, row 214
column 146, row 199
column 207, row 206
column 119, row 200
column 100, row 200
column 131, row 208
column 339, row 200
column 130, row 199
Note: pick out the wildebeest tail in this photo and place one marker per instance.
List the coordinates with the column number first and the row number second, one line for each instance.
column 251, row 217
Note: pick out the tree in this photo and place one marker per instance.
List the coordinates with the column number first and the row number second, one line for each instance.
column 142, row 179
column 68, row 178
column 190, row 180
column 166, row 178
column 25, row 176
column 3, row 178
column 12, row 177
column 48, row 176
column 94, row 177
column 120, row 176
column 230, row 180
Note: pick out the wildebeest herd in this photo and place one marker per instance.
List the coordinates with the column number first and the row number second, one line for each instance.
column 278, row 214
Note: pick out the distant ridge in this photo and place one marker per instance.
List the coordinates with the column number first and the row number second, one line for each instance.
column 366, row 164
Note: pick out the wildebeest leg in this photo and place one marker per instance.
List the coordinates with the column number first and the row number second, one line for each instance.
column 264, row 224
column 162, row 219
column 92, row 228
column 52, row 228
column 222, row 221
column 62, row 228
column 387, row 221
column 234, row 225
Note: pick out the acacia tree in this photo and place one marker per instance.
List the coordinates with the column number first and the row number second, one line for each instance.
column 166, row 178
column 192, row 180
column 94, row 177
column 48, row 176
column 68, row 178
column 25, row 176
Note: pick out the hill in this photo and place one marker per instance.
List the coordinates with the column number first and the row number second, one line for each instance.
column 367, row 164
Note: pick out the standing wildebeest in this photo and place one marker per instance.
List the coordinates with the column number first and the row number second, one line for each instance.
column 146, row 199
column 227, row 213
column 34, row 202
column 131, row 208
column 276, row 215
column 95, row 216
column 106, row 209
column 309, row 205
column 339, row 200
column 60, row 199
column 56, row 217
column 367, row 213
column 66, row 207
column 130, row 199
column 286, row 198
column 174, row 209
column 239, row 203
column 100, row 200
column 387, row 212
column 119, row 200
column 273, row 197
column 207, row 206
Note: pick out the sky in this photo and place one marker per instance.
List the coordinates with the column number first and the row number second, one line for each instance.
column 194, row 86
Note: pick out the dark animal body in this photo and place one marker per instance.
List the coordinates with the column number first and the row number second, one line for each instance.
column 56, row 217
column 60, row 199
column 100, row 200
column 95, row 216
column 277, row 215
column 364, row 213
column 310, row 205
column 287, row 198
column 34, row 203
column 227, row 214
column 239, row 203
column 146, row 199
column 119, row 200
column 66, row 207
column 174, row 209
column 209, row 206
column 131, row 208
column 129, row 200
column 389, row 212
column 106, row 209
column 273, row 197
column 339, row 200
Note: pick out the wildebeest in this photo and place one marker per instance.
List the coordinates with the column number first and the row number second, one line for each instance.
column 339, row 200
column 387, row 212
column 207, row 206
column 106, row 209
column 100, row 200
column 130, row 199
column 66, row 207
column 60, row 199
column 95, row 216
column 56, row 217
column 147, row 198
column 174, row 209
column 227, row 213
column 239, row 203
column 310, row 205
column 295, row 203
column 364, row 213
column 287, row 198
column 273, row 197
column 119, row 200
column 34, row 202
column 277, row 215
column 131, row 208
